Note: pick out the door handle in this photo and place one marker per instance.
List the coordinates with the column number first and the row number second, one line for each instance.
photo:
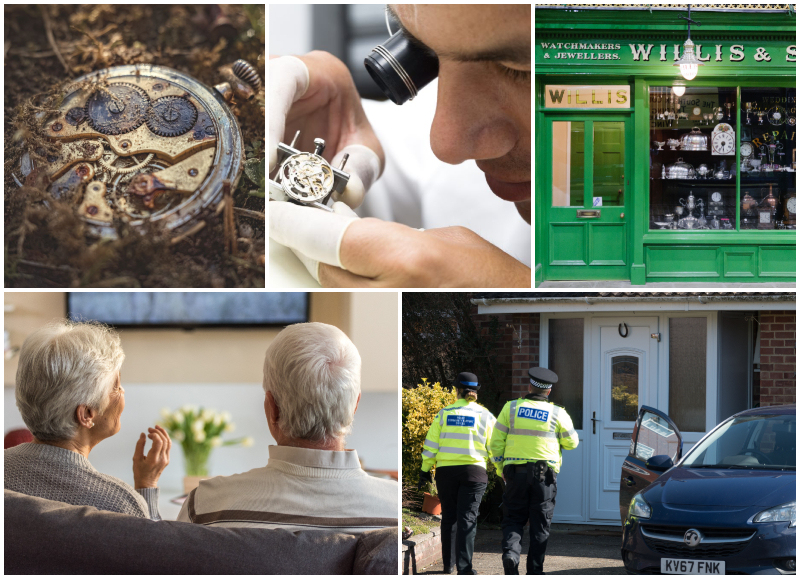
column 629, row 481
column 594, row 421
column 622, row 216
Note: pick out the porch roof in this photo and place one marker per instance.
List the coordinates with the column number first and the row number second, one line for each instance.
column 518, row 302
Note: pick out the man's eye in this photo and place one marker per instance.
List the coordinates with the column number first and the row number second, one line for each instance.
column 517, row 75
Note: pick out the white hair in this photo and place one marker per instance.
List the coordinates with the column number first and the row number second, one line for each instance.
column 314, row 373
column 62, row 366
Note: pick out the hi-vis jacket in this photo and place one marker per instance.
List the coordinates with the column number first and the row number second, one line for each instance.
column 530, row 430
column 459, row 434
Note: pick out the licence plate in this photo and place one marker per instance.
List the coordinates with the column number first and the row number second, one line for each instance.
column 692, row 567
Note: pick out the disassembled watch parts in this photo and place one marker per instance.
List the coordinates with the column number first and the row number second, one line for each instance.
column 306, row 178
column 145, row 143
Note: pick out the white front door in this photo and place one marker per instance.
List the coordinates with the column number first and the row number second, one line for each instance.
column 624, row 374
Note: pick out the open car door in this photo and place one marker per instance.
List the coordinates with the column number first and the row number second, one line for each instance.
column 656, row 445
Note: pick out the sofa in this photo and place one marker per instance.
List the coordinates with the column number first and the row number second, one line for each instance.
column 50, row 537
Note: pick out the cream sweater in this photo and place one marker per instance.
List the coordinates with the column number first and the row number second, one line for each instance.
column 299, row 489
column 55, row 473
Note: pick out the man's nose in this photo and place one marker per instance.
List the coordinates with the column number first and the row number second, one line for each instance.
column 470, row 122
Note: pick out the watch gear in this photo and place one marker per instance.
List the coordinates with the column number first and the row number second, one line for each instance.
column 117, row 108
column 171, row 116
column 75, row 116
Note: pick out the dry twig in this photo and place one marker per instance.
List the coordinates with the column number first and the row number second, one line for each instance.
column 51, row 39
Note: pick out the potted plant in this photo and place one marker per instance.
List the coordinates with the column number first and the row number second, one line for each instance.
column 199, row 431
column 431, row 503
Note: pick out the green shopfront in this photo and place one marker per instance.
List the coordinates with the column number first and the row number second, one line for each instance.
column 645, row 173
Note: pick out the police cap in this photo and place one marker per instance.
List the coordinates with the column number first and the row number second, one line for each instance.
column 467, row 381
column 542, row 378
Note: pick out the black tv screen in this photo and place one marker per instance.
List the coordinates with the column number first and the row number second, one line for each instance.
column 188, row 309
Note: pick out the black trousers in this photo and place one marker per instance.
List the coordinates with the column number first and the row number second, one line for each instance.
column 523, row 502
column 460, row 501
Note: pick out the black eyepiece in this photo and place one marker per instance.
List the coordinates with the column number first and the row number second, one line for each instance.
column 401, row 67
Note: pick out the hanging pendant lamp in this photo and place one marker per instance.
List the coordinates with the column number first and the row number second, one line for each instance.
column 689, row 62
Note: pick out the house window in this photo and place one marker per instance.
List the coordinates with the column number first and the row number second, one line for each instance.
column 687, row 373
column 624, row 388
column 565, row 358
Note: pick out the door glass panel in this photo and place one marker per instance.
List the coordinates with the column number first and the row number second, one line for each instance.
column 656, row 437
column 687, row 373
column 565, row 358
column 609, row 164
column 624, row 388
column 568, row 155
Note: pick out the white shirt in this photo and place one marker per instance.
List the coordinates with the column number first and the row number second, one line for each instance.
column 299, row 489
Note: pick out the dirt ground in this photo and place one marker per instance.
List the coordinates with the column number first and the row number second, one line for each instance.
column 46, row 243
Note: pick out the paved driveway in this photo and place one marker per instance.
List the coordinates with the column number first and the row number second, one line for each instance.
column 571, row 550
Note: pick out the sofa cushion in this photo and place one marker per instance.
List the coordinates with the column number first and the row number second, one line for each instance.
column 49, row 537
column 376, row 553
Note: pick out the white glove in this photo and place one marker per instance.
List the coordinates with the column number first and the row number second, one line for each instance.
column 312, row 234
column 289, row 81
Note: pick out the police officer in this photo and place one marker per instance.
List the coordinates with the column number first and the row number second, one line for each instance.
column 528, row 437
column 458, row 445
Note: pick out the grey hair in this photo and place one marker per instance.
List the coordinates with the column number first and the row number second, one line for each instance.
column 62, row 366
column 314, row 373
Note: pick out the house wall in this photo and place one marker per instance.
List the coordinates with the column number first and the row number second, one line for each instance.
column 514, row 357
column 778, row 384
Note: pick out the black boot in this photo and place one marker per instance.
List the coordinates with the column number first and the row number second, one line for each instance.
column 510, row 566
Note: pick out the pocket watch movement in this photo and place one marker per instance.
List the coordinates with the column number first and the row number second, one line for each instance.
column 306, row 178
column 143, row 143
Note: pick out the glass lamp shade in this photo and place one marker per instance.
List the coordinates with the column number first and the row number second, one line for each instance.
column 679, row 89
column 688, row 63
column 688, row 71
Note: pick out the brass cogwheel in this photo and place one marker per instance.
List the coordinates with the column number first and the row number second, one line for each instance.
column 117, row 108
column 171, row 116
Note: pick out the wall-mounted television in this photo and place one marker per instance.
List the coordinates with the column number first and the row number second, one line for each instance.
column 188, row 309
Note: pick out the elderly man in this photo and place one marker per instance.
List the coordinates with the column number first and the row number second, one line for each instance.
column 312, row 382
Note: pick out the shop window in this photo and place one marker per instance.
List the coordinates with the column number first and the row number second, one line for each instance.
column 565, row 358
column 687, row 373
column 568, row 160
column 693, row 159
column 768, row 161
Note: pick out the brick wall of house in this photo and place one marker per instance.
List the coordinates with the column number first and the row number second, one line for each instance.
column 518, row 349
column 778, row 384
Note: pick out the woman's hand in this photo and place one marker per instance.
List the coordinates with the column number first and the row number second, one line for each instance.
column 147, row 469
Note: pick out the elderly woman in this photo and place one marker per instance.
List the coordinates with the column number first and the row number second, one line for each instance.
column 71, row 398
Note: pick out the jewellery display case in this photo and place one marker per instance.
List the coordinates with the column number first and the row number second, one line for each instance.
column 693, row 158
column 767, row 158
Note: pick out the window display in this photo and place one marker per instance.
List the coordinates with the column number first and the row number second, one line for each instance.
column 693, row 179
column 693, row 164
column 767, row 156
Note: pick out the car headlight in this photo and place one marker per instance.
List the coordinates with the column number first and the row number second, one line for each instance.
column 639, row 508
column 786, row 512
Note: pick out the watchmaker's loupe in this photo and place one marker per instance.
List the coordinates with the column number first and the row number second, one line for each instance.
column 401, row 67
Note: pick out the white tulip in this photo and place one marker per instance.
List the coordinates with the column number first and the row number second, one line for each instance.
column 198, row 425
column 207, row 415
column 216, row 441
column 226, row 416
column 179, row 436
column 217, row 420
column 247, row 441
column 178, row 417
column 199, row 436
column 165, row 413
column 230, row 427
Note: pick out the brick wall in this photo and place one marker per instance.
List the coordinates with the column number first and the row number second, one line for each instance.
column 518, row 349
column 778, row 348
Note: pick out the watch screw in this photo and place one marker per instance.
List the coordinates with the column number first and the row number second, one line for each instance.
column 193, row 172
column 344, row 161
column 245, row 71
column 57, row 126
column 319, row 146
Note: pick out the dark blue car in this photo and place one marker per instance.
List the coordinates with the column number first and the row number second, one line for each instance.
column 727, row 507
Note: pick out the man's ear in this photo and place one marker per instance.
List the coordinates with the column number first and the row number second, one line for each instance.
column 357, row 401
column 271, row 408
column 85, row 415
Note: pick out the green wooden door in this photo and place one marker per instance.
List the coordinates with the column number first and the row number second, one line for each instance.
column 588, row 189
